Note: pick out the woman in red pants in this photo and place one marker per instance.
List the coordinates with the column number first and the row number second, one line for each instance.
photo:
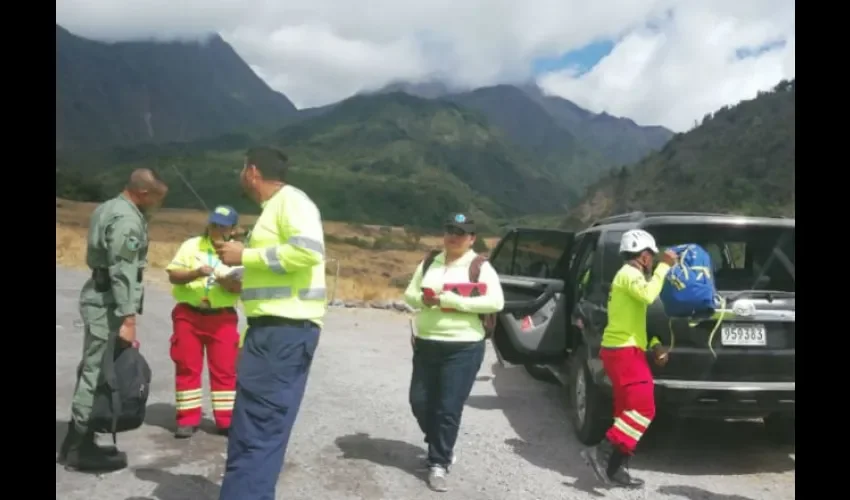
column 205, row 319
column 623, row 353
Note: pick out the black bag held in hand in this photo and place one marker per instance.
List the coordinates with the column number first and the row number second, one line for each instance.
column 122, row 395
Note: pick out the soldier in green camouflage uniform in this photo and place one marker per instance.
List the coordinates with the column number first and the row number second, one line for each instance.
column 109, row 302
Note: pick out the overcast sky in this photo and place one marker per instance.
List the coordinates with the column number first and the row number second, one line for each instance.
column 665, row 62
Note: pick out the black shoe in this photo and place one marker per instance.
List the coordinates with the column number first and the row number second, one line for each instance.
column 617, row 473
column 80, row 452
column 222, row 432
column 598, row 458
column 185, row 431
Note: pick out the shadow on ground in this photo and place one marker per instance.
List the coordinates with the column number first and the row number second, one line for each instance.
column 694, row 493
column 682, row 447
column 385, row 452
column 709, row 447
column 164, row 416
column 176, row 486
column 542, row 440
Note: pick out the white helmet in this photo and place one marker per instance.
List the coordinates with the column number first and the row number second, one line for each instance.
column 636, row 241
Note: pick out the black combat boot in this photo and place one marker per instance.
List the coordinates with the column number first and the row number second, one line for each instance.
column 70, row 436
column 598, row 458
column 80, row 452
column 617, row 473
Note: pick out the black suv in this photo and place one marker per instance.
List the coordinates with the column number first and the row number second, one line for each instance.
column 556, row 286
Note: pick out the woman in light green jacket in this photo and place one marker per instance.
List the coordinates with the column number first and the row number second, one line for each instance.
column 448, row 344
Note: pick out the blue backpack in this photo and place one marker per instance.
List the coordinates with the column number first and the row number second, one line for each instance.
column 689, row 287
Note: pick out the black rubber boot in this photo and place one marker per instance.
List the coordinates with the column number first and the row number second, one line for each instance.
column 598, row 458
column 80, row 452
column 617, row 473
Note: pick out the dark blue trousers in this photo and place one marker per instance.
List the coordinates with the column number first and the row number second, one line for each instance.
column 443, row 375
column 270, row 382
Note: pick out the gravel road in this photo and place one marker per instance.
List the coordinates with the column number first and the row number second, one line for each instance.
column 355, row 437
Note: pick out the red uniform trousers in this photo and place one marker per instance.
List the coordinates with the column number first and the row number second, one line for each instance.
column 634, row 395
column 194, row 330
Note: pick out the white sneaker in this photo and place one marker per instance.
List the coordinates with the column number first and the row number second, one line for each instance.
column 437, row 479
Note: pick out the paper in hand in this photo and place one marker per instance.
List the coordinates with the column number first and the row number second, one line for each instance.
column 235, row 272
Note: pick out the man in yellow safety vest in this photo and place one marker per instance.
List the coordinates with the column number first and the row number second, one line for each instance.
column 283, row 295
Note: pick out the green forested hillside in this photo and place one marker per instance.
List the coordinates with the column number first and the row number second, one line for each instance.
column 553, row 126
column 504, row 153
column 387, row 159
column 619, row 140
column 530, row 127
column 741, row 159
column 135, row 92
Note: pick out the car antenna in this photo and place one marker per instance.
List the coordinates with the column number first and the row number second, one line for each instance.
column 203, row 204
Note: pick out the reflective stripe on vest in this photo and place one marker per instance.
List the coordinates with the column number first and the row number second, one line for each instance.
column 283, row 292
column 297, row 241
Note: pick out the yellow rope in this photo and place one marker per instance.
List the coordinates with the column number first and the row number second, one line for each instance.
column 692, row 324
column 717, row 326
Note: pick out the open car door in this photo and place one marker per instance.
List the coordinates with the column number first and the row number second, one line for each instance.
column 532, row 265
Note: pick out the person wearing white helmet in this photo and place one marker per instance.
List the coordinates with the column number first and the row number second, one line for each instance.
column 623, row 354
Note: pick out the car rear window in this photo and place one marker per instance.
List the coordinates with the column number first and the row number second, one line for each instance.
column 538, row 252
column 744, row 257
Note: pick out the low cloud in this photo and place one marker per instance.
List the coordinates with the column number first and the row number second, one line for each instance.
column 674, row 60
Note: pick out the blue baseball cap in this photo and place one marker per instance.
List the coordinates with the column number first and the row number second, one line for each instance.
column 224, row 215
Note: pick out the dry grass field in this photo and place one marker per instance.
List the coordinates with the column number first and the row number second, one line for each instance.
column 365, row 273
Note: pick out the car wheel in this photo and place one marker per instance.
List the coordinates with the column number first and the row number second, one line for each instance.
column 540, row 373
column 588, row 411
column 780, row 428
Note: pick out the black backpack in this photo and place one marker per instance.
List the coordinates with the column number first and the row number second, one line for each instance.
column 122, row 395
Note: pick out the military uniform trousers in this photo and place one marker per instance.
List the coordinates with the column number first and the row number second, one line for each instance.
column 98, row 322
column 197, row 330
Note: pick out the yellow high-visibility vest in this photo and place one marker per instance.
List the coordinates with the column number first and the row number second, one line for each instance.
column 285, row 260
column 192, row 254
column 630, row 297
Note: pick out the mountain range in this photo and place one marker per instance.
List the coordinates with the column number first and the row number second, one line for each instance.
column 391, row 159
column 133, row 92
column 130, row 92
column 740, row 159
column 402, row 155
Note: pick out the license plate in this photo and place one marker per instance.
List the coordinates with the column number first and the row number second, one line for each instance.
column 743, row 334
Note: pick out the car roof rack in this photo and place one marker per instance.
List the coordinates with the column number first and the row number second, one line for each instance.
column 639, row 215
